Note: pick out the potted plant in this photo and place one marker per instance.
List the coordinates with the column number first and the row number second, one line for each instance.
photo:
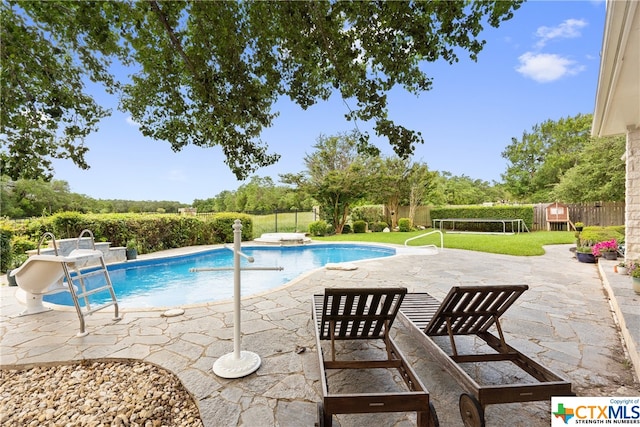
column 132, row 249
column 622, row 268
column 607, row 249
column 16, row 261
column 585, row 254
column 634, row 271
column 579, row 226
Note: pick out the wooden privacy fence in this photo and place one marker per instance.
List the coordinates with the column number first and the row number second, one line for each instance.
column 422, row 216
column 592, row 213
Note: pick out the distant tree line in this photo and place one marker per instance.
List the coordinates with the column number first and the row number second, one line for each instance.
column 556, row 161
column 29, row 198
column 259, row 195
column 262, row 195
column 340, row 177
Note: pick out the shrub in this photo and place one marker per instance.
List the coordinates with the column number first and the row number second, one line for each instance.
column 19, row 247
column 22, row 244
column 359, row 226
column 367, row 213
column 318, row 228
column 346, row 229
column 67, row 225
column 618, row 229
column 378, row 226
column 404, row 224
column 153, row 232
column 222, row 225
column 592, row 235
column 635, row 273
column 5, row 247
column 330, row 229
column 524, row 212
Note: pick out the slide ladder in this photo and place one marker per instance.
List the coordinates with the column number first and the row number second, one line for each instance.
column 79, row 281
column 80, row 287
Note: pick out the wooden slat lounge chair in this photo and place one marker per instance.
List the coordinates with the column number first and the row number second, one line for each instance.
column 365, row 314
column 473, row 310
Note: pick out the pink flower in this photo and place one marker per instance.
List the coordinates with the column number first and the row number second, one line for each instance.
column 607, row 246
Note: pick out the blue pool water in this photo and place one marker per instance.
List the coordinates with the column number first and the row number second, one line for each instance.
column 166, row 282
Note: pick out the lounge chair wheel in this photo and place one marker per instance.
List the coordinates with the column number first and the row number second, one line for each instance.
column 433, row 417
column 323, row 420
column 471, row 411
column 320, row 422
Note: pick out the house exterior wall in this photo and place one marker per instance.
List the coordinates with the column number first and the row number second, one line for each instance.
column 632, row 196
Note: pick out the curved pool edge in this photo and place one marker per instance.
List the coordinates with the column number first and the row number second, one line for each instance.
column 191, row 250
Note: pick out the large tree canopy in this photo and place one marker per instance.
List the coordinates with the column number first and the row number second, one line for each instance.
column 560, row 160
column 45, row 113
column 336, row 176
column 209, row 73
column 599, row 174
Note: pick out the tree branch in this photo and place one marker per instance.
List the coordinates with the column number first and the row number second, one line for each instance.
column 172, row 35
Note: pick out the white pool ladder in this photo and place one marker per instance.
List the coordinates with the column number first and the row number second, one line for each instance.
column 74, row 261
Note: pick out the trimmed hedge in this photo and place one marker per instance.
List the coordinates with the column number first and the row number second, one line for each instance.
column 152, row 232
column 222, row 226
column 523, row 212
column 589, row 236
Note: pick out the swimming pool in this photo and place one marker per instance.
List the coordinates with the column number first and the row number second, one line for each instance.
column 167, row 282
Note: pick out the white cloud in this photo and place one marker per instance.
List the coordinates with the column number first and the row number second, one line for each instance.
column 131, row 122
column 569, row 29
column 547, row 67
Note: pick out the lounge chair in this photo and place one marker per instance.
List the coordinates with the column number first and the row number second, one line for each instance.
column 365, row 314
column 473, row 310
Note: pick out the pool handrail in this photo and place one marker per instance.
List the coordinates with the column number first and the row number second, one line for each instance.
column 426, row 234
column 247, row 257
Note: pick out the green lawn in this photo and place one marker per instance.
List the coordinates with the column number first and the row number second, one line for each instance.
column 523, row 244
column 289, row 222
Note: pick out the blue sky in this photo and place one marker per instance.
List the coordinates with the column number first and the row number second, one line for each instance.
column 542, row 64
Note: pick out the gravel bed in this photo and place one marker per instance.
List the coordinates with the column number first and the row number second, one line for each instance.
column 92, row 394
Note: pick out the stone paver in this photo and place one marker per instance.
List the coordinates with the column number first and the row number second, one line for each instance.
column 564, row 321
